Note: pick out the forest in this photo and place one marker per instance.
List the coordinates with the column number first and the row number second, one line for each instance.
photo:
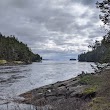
column 13, row 50
column 100, row 52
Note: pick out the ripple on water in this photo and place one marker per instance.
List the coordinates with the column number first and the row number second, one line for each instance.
column 15, row 80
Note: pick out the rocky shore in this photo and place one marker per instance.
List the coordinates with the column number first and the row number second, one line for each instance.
column 87, row 91
column 63, row 95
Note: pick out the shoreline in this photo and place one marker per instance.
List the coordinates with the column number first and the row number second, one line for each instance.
column 77, row 93
column 11, row 63
column 16, row 63
column 84, row 92
column 60, row 92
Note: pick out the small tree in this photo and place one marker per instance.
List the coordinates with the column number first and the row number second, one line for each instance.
column 104, row 7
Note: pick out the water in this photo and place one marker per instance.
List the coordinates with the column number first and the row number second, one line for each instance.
column 15, row 80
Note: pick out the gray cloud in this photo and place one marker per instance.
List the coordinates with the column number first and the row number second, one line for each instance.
column 87, row 2
column 51, row 27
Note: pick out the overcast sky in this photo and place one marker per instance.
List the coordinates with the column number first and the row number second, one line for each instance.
column 52, row 28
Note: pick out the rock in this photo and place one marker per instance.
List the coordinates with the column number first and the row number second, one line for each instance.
column 18, row 62
column 55, row 92
column 2, row 62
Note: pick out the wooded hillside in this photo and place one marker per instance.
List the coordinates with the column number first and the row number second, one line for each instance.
column 13, row 50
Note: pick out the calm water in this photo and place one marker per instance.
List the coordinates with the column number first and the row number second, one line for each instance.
column 15, row 80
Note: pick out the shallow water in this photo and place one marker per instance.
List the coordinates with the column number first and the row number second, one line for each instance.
column 15, row 80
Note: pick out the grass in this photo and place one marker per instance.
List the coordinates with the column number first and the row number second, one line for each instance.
column 99, row 103
column 90, row 80
column 90, row 90
column 99, row 83
column 3, row 61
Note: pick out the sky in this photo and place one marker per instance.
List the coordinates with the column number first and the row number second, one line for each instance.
column 55, row 29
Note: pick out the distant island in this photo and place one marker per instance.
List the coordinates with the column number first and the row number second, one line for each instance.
column 72, row 59
column 13, row 51
column 46, row 59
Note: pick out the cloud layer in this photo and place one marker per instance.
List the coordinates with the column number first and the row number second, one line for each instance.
column 52, row 28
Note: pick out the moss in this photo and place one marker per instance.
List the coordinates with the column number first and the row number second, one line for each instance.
column 3, row 61
column 90, row 80
column 90, row 90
